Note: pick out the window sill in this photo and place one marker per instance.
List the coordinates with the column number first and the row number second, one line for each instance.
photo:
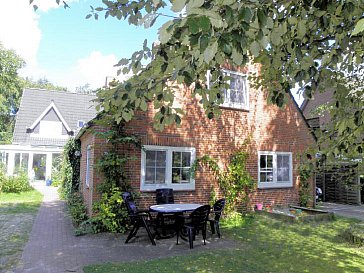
column 177, row 187
column 274, row 185
column 229, row 107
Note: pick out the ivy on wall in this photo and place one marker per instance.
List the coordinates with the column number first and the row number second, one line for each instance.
column 235, row 183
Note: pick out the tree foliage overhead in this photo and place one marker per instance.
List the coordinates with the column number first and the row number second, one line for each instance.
column 41, row 83
column 309, row 43
column 10, row 91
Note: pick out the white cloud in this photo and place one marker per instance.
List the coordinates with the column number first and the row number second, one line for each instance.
column 19, row 29
column 92, row 70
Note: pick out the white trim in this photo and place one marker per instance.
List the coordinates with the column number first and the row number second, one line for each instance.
column 52, row 105
column 275, row 184
column 88, row 166
column 168, row 181
column 232, row 105
column 242, row 106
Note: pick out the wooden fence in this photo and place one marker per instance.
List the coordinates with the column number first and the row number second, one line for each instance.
column 339, row 183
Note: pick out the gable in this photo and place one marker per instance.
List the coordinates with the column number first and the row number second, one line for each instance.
column 50, row 123
column 36, row 106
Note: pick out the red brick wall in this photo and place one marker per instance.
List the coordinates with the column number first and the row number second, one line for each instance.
column 268, row 127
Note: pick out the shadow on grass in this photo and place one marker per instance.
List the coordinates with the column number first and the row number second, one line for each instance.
column 265, row 245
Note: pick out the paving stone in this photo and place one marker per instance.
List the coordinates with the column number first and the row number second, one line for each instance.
column 53, row 248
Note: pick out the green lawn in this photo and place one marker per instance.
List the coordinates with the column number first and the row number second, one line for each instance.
column 17, row 213
column 265, row 246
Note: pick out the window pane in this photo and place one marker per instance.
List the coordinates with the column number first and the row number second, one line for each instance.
column 283, row 168
column 160, row 175
column 269, row 161
column 226, row 95
column 186, row 159
column 266, row 177
column 150, row 175
column 185, row 175
column 161, row 159
column 233, row 96
column 176, row 175
column 150, row 158
column 263, row 162
column 24, row 161
column 176, row 159
column 263, row 177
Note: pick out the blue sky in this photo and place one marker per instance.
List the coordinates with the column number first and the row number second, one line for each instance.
column 64, row 47
column 61, row 45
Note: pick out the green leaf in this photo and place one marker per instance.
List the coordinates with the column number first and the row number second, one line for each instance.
column 262, row 17
column 205, row 23
column 359, row 27
column 143, row 105
column 193, row 25
column 255, row 48
column 88, row 16
column 164, row 33
column 246, row 14
column 194, row 4
column 204, row 41
column 178, row 5
column 210, row 52
column 301, row 29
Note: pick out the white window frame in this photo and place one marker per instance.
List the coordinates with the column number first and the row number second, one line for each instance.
column 243, row 106
column 88, row 166
column 275, row 183
column 168, row 181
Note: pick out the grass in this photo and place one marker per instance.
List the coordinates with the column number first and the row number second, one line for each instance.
column 17, row 213
column 264, row 246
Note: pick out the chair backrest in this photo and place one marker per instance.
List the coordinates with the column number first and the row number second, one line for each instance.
column 218, row 208
column 164, row 196
column 200, row 216
column 129, row 202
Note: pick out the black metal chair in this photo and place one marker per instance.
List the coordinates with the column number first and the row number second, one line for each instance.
column 164, row 196
column 197, row 222
column 217, row 212
column 138, row 218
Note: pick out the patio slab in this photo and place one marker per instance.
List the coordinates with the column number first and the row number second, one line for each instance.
column 350, row 211
column 53, row 248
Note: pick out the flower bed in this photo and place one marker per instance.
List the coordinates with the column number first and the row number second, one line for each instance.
column 298, row 214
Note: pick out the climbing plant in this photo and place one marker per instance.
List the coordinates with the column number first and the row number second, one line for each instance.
column 110, row 212
column 305, row 189
column 70, row 170
column 235, row 182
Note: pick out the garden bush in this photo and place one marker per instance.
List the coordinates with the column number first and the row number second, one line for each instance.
column 77, row 208
column 15, row 184
column 110, row 211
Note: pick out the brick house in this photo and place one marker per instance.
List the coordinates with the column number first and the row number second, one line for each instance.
column 278, row 137
column 45, row 121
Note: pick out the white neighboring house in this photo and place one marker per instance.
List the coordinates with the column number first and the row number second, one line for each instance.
column 44, row 122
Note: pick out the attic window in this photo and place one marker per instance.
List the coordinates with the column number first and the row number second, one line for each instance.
column 236, row 96
column 80, row 123
column 50, row 128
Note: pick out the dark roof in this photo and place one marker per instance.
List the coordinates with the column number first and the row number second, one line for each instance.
column 309, row 107
column 72, row 107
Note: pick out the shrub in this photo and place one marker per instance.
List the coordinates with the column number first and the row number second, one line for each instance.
column 111, row 212
column 77, row 209
column 15, row 184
